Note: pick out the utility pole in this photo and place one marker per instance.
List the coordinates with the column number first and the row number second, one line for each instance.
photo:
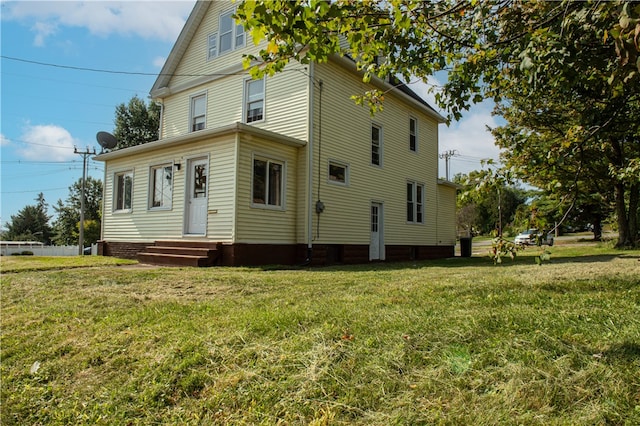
column 84, row 154
column 447, row 155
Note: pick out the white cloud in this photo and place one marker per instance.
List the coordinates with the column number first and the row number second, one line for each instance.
column 160, row 20
column 47, row 142
column 4, row 141
column 159, row 61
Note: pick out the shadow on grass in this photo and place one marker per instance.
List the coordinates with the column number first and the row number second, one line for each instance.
column 454, row 262
column 627, row 351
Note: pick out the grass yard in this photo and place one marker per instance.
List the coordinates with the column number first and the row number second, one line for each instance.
column 449, row 342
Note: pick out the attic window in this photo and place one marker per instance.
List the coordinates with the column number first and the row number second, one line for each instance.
column 231, row 34
column 212, row 45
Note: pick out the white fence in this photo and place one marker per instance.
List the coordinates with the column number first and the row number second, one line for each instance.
column 40, row 250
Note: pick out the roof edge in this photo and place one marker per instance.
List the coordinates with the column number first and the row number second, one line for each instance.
column 201, row 135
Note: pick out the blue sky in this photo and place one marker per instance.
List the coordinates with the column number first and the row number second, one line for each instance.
column 47, row 110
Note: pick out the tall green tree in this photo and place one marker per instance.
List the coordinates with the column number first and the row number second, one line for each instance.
column 67, row 224
column 136, row 123
column 30, row 224
column 510, row 51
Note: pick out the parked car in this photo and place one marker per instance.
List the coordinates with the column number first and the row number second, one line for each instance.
column 531, row 236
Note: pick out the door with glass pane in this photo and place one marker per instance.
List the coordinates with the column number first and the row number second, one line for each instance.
column 376, row 245
column 197, row 196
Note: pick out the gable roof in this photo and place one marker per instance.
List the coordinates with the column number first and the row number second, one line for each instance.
column 195, row 19
column 180, row 47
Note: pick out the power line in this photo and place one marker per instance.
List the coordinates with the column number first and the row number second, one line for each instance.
column 107, row 71
column 75, row 83
column 33, row 190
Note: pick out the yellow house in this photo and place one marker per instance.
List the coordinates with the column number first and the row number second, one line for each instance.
column 285, row 169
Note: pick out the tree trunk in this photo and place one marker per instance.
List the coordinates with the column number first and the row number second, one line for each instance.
column 597, row 227
column 624, row 237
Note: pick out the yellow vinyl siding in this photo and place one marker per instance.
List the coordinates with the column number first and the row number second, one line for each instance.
column 446, row 215
column 286, row 110
column 194, row 62
column 266, row 225
column 286, row 93
column 143, row 224
column 346, row 216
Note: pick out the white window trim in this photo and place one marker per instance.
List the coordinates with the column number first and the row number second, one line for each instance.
column 338, row 164
column 415, row 120
column 191, row 116
column 380, row 145
column 415, row 186
column 283, row 183
column 234, row 34
column 114, row 206
column 245, row 100
column 152, row 168
column 211, row 36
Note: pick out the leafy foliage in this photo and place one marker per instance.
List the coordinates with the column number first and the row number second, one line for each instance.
column 502, row 248
column 136, row 123
column 485, row 206
column 30, row 224
column 564, row 74
column 67, row 224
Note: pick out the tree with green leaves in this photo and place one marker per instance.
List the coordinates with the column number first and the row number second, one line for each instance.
column 136, row 123
column 526, row 53
column 67, row 224
column 31, row 223
column 487, row 209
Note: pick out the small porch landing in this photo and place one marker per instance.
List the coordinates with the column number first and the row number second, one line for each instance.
column 182, row 253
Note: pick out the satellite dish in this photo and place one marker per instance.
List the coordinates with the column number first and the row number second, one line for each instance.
column 106, row 140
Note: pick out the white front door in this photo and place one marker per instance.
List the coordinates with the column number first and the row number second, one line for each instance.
column 376, row 246
column 196, row 199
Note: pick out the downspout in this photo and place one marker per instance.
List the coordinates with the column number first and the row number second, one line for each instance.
column 310, row 148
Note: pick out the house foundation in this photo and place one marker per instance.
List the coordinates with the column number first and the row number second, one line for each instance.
column 291, row 254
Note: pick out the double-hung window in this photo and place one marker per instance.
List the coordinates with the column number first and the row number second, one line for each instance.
column 415, row 202
column 232, row 35
column 161, row 186
column 376, row 145
column 413, row 134
column 198, row 112
column 268, row 183
column 123, row 191
column 254, row 100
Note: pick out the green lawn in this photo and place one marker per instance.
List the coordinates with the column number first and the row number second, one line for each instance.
column 455, row 342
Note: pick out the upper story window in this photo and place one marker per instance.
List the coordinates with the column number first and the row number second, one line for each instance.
column 161, row 186
column 338, row 172
column 123, row 191
column 268, row 183
column 376, row 145
column 212, row 46
column 415, row 202
column 231, row 35
column 413, row 134
column 254, row 100
column 198, row 112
